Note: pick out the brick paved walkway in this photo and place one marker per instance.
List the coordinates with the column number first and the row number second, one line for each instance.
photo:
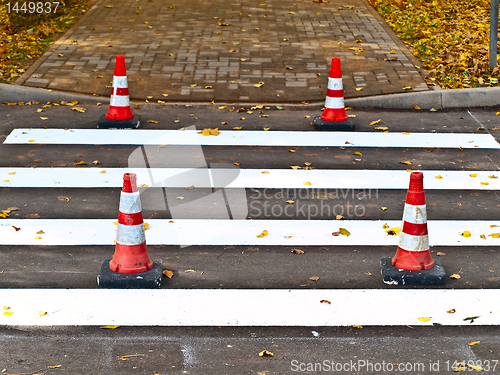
column 203, row 50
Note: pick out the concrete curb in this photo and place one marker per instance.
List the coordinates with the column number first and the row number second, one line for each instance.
column 15, row 94
column 442, row 99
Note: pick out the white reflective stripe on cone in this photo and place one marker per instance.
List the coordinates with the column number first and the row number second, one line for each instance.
column 120, row 82
column 409, row 242
column 335, row 83
column 130, row 203
column 119, row 101
column 415, row 214
column 130, row 234
column 334, row 103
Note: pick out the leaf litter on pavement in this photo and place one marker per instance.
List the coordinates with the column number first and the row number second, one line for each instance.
column 450, row 38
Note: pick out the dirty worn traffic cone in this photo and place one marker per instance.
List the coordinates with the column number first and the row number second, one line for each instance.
column 119, row 114
column 413, row 263
column 334, row 116
column 131, row 266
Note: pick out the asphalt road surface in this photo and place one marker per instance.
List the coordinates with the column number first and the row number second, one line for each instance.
column 364, row 180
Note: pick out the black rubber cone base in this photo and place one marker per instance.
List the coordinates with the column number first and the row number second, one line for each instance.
column 396, row 276
column 105, row 123
column 144, row 280
column 320, row 124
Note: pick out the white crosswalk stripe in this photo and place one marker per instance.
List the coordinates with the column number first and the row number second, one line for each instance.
column 248, row 178
column 234, row 307
column 250, row 138
column 247, row 307
column 70, row 232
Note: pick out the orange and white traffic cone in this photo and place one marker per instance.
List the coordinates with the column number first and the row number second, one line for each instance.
column 413, row 263
column 334, row 116
column 119, row 114
column 131, row 266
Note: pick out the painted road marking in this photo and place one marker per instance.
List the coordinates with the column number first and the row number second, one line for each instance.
column 75, row 177
column 249, row 307
column 250, row 138
column 186, row 232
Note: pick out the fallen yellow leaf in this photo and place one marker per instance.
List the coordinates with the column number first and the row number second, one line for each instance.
column 424, row 319
column 357, row 326
column 153, row 121
column 263, row 234
column 266, row 353
column 455, row 276
column 465, row 233
column 438, row 177
column 494, row 235
column 484, row 183
column 393, row 231
column 344, row 232
column 357, row 153
column 307, row 183
column 474, row 343
column 208, row 131
column 473, row 175
column 43, row 313
column 168, row 273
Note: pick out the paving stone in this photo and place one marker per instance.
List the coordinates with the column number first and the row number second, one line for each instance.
column 185, row 44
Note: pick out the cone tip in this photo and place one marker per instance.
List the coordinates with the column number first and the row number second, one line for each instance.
column 129, row 183
column 416, row 176
column 120, row 66
column 335, row 71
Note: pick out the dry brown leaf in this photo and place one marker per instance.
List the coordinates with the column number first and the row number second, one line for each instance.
column 297, row 251
column 455, row 276
column 325, row 301
column 314, row 278
column 63, row 198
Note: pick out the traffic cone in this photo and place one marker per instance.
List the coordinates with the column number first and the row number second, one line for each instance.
column 119, row 114
column 334, row 116
column 413, row 263
column 131, row 266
